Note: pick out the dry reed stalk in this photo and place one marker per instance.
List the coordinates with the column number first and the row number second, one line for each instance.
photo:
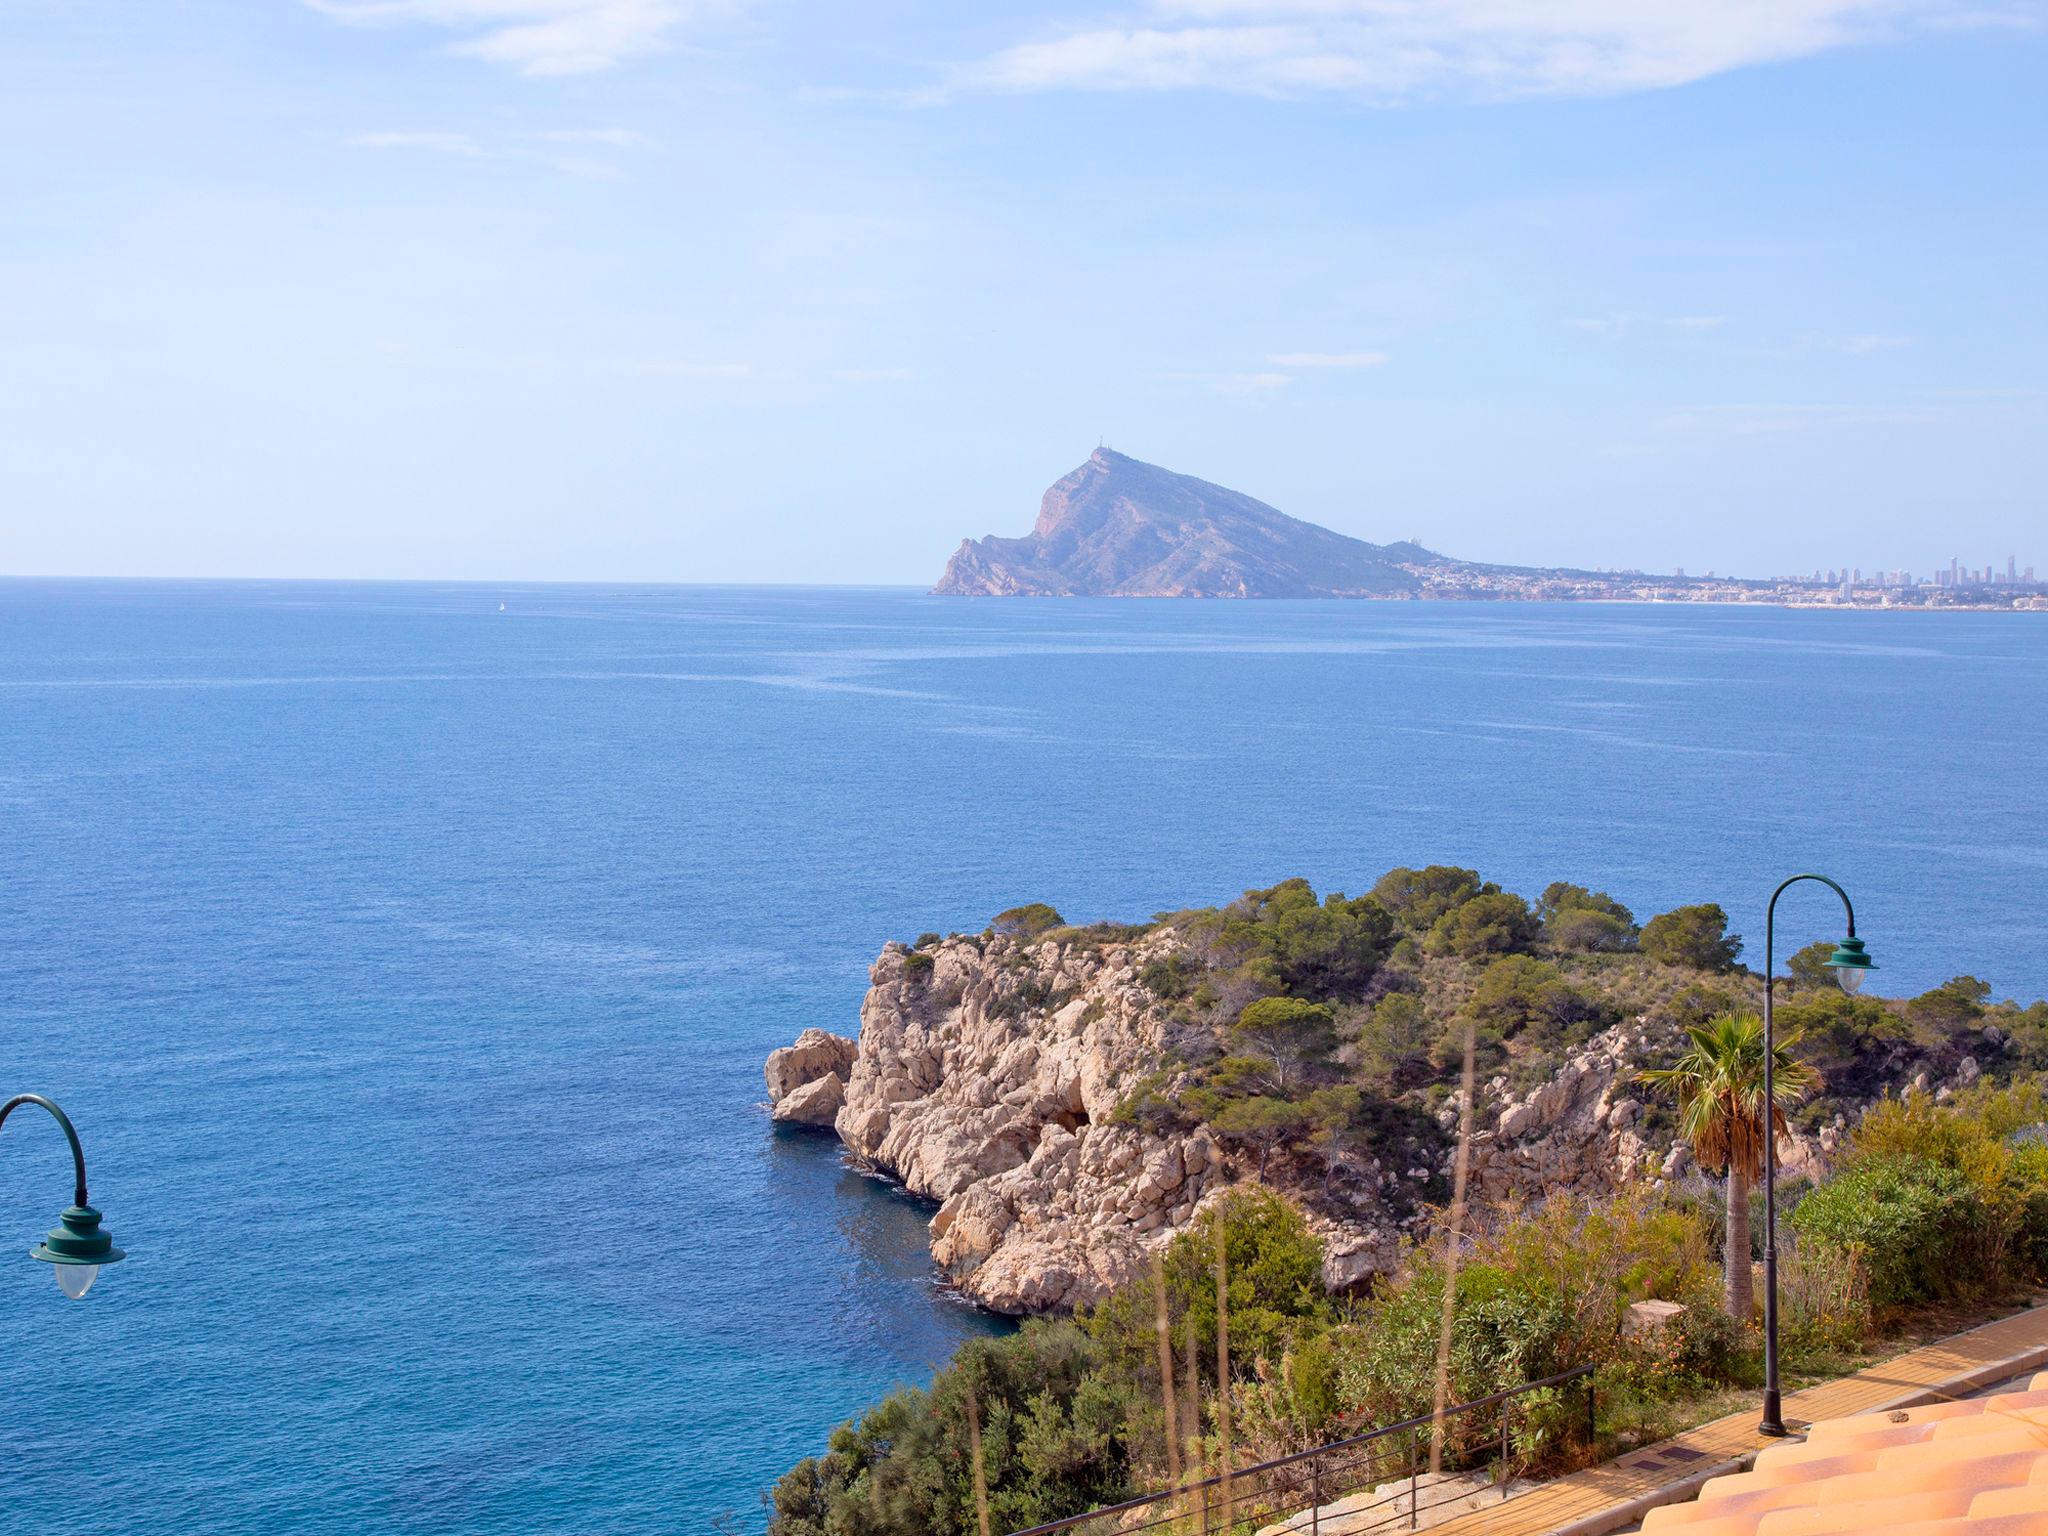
column 1443, row 1337
column 1223, row 1366
column 1191, row 1418
column 980, row 1473
column 1164, row 1326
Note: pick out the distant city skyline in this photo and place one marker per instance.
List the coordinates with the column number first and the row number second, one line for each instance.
column 767, row 290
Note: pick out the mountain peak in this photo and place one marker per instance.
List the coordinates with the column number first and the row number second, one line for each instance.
column 1119, row 527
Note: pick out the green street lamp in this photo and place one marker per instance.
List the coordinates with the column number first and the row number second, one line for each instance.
column 1850, row 964
column 77, row 1249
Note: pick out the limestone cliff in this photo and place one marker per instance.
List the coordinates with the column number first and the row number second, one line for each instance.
column 989, row 1074
column 987, row 1077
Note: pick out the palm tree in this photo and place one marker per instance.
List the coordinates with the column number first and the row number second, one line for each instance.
column 1719, row 1083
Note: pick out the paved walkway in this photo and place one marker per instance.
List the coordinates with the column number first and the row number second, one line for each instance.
column 1617, row 1494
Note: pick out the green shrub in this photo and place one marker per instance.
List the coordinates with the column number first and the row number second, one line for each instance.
column 1282, row 940
column 1591, row 933
column 1905, row 1219
column 1027, row 922
column 1695, row 936
column 1520, row 993
column 917, row 967
column 1054, row 1433
column 1276, row 1290
column 1956, row 1004
column 1395, row 1039
column 1496, row 924
column 1507, row 1331
column 1989, row 1137
column 1171, row 977
column 1589, row 922
column 1294, row 1037
column 1418, row 897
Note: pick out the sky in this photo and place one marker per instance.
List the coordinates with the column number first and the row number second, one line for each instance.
column 776, row 290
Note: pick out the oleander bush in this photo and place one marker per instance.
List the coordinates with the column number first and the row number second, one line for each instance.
column 1904, row 1219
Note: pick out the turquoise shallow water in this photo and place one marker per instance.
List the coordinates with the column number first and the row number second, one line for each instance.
column 408, row 964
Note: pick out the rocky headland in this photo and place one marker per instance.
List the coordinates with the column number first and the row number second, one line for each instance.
column 1118, row 527
column 1071, row 1097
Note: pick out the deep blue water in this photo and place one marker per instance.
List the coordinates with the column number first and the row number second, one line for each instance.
column 408, row 965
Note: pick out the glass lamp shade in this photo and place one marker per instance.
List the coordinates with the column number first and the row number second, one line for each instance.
column 78, row 1248
column 74, row 1280
column 1850, row 963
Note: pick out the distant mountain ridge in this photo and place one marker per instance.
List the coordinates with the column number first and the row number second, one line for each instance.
column 1118, row 527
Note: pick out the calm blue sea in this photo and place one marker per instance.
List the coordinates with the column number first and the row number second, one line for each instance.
column 408, row 963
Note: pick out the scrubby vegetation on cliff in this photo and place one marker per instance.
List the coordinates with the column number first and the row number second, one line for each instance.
column 1321, row 1037
column 1319, row 1041
column 1935, row 1203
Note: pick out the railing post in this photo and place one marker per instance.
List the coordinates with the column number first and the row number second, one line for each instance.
column 1315, row 1496
column 1412, row 1522
column 1592, row 1421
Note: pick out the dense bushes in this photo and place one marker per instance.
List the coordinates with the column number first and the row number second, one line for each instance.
column 1027, row 922
column 1496, row 924
column 1932, row 1202
column 1938, row 1201
column 1281, row 940
column 1540, row 1292
column 1590, row 922
column 1695, row 936
column 1904, row 1220
column 1052, row 1435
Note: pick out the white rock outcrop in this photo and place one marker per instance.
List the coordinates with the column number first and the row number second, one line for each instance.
column 985, row 1078
column 807, row 1080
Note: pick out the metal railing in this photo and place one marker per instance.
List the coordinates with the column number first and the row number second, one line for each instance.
column 1295, row 1491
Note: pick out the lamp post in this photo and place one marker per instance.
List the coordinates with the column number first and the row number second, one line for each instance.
column 77, row 1249
column 1850, row 962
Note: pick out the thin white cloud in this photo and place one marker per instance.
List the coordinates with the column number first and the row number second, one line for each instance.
column 582, row 165
column 561, row 151
column 1328, row 359
column 1768, row 420
column 670, row 369
column 603, row 138
column 457, row 144
column 535, row 37
column 1392, row 51
column 1232, row 383
column 873, row 375
column 1819, row 343
column 1623, row 322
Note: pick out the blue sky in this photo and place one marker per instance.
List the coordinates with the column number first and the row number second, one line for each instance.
column 727, row 290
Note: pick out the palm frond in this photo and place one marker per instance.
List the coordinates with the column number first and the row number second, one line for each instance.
column 1718, row 1083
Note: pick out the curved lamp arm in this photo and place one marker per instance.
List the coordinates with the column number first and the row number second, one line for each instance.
column 1771, row 912
column 70, row 1135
